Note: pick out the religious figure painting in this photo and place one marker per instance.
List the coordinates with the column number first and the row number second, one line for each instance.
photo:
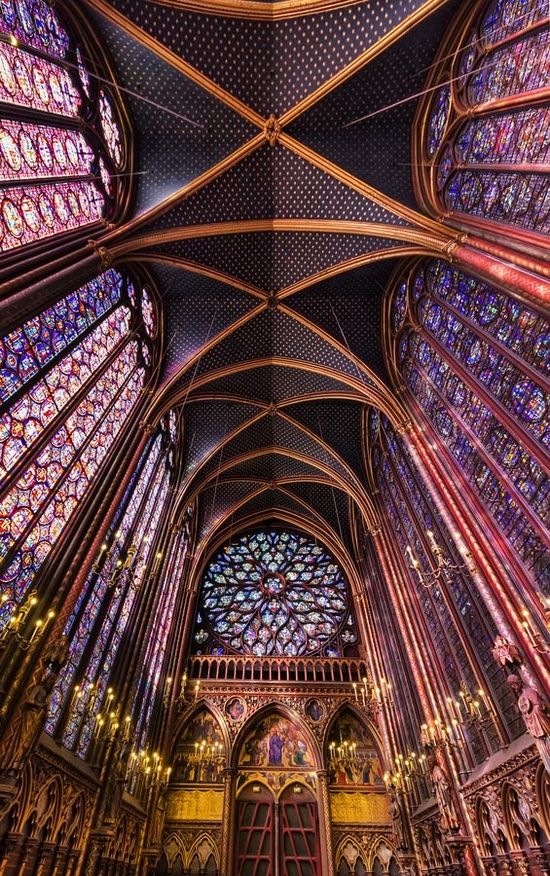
column 275, row 742
column 200, row 753
column 352, row 755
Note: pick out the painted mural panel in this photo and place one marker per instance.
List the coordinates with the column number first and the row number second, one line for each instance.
column 200, row 753
column 276, row 742
column 352, row 755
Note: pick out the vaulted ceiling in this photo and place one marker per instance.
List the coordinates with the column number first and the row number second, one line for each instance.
column 272, row 219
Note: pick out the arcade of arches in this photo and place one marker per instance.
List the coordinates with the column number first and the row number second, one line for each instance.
column 274, row 380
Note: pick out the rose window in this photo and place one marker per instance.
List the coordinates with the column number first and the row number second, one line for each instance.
column 274, row 594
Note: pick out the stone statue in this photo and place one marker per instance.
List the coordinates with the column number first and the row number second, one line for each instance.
column 115, row 781
column 536, row 717
column 157, row 820
column 396, row 814
column 506, row 653
column 23, row 731
column 448, row 816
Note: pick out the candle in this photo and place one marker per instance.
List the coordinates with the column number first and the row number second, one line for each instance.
column 355, row 690
column 432, row 540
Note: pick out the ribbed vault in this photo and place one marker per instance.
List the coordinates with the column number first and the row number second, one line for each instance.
column 271, row 240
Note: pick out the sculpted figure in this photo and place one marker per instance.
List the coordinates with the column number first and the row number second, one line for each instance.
column 505, row 653
column 396, row 814
column 23, row 731
column 442, row 790
column 534, row 711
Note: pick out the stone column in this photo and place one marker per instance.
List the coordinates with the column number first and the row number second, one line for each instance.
column 226, row 857
column 325, row 824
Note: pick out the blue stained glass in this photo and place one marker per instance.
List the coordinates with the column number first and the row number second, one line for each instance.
column 280, row 595
column 453, row 407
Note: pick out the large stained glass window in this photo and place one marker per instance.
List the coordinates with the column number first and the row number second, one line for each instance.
column 451, row 610
column 113, row 593
column 486, row 145
column 274, row 594
column 72, row 375
column 61, row 146
column 475, row 360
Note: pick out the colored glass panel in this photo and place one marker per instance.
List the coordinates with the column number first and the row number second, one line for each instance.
column 24, row 423
column 439, row 119
column 158, row 640
column 34, row 212
column 513, row 69
column 35, row 24
column 412, row 512
column 148, row 313
column 513, row 198
column 111, row 128
column 277, row 594
column 79, row 730
column 36, row 510
column 84, row 617
column 29, row 81
column 27, row 349
column 34, row 151
column 506, row 17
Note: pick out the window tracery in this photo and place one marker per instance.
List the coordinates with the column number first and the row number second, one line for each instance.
column 451, row 610
column 72, row 131
column 475, row 361
column 487, row 113
column 72, row 376
column 274, row 594
column 109, row 598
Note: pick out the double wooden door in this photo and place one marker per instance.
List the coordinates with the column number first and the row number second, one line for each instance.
column 277, row 838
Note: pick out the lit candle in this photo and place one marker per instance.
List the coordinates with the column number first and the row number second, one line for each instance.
column 432, row 540
column 355, row 690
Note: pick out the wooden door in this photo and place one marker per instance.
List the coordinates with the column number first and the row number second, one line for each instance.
column 299, row 833
column 254, row 847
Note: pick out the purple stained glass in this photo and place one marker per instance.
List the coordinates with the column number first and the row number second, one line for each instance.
column 26, row 350
column 439, row 119
column 35, row 23
column 29, row 81
column 37, row 508
column 33, row 212
column 111, row 128
column 273, row 594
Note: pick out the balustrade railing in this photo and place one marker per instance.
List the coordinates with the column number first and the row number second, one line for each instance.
column 277, row 669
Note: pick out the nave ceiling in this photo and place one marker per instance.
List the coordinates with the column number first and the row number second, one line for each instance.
column 272, row 229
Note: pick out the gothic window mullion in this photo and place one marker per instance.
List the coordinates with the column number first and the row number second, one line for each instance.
column 62, row 479
column 487, row 459
column 110, row 620
column 426, row 610
column 18, row 466
column 96, row 597
column 446, row 602
column 462, row 582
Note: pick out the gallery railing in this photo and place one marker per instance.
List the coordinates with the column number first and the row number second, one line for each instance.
column 277, row 669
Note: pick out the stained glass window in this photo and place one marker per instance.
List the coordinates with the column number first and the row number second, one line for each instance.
column 451, row 611
column 156, row 648
column 494, row 165
column 102, row 615
column 71, row 377
column 73, row 132
column 475, row 361
column 274, row 594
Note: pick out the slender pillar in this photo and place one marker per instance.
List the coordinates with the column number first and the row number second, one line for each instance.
column 494, row 270
column 325, row 823
column 229, row 783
